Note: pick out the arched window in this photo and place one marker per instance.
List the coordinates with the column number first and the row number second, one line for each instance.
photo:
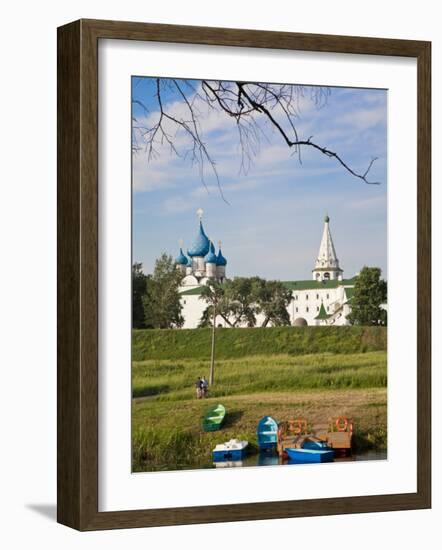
column 327, row 275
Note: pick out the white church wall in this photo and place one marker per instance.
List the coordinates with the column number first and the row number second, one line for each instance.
column 305, row 304
column 192, row 311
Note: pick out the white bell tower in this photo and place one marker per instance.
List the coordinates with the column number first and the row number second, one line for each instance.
column 327, row 264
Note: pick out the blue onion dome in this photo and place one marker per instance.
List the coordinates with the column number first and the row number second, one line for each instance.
column 181, row 259
column 211, row 256
column 201, row 244
column 220, row 260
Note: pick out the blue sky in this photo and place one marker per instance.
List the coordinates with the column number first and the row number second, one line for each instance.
column 272, row 224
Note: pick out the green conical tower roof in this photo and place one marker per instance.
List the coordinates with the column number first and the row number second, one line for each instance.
column 322, row 315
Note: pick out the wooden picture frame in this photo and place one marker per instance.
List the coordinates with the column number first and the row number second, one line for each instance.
column 78, row 274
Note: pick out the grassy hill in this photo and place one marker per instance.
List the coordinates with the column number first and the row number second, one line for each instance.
column 241, row 342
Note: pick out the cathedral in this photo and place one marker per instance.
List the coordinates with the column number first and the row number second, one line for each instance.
column 203, row 263
column 325, row 299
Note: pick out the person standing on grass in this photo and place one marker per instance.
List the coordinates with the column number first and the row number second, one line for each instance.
column 204, row 386
column 198, row 388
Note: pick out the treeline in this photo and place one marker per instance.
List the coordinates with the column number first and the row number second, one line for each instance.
column 240, row 301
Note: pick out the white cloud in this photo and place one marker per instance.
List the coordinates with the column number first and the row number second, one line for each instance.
column 174, row 205
column 376, row 203
column 363, row 119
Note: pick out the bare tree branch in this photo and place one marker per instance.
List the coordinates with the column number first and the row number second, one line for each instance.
column 298, row 142
column 249, row 104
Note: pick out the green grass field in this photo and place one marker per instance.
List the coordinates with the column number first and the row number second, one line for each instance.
column 243, row 342
column 277, row 381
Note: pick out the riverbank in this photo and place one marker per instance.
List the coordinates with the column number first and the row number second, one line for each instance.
column 166, row 417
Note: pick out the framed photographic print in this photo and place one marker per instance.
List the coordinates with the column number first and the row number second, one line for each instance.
column 243, row 275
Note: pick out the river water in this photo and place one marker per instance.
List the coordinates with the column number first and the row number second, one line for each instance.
column 273, row 459
column 268, row 458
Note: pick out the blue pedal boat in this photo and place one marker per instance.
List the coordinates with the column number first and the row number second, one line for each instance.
column 232, row 450
column 267, row 433
column 309, row 456
column 316, row 445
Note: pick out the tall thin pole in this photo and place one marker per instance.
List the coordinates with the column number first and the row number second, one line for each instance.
column 212, row 359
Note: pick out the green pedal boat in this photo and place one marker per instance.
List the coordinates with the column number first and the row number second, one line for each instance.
column 214, row 418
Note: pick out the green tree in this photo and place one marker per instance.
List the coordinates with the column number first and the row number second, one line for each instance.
column 161, row 302
column 235, row 302
column 238, row 301
column 239, row 293
column 272, row 299
column 214, row 294
column 138, row 291
column 370, row 292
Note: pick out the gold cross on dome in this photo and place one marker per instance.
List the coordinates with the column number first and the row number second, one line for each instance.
column 200, row 213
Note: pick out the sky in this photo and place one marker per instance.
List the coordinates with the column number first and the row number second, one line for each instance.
column 270, row 215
